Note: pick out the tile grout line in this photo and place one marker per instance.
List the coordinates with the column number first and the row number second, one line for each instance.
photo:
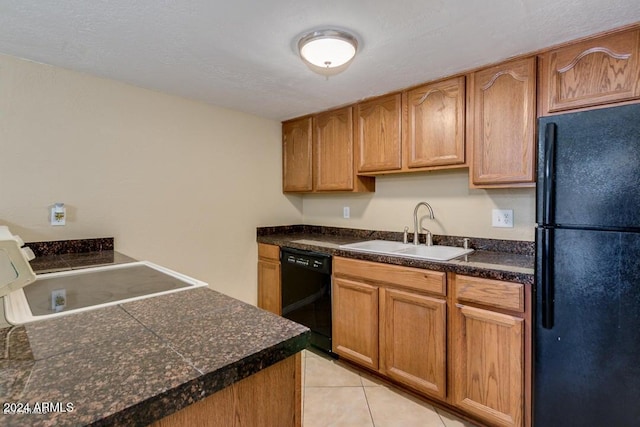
column 364, row 387
column 366, row 398
column 439, row 416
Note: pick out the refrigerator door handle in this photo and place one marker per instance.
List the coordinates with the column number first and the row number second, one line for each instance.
column 549, row 167
column 547, row 278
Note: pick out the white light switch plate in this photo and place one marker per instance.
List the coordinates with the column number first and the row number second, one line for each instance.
column 502, row 218
column 346, row 212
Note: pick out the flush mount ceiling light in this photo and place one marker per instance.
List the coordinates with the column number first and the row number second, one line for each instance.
column 328, row 52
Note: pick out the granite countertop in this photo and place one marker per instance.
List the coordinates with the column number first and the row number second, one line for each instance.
column 137, row 362
column 73, row 261
column 493, row 259
column 62, row 255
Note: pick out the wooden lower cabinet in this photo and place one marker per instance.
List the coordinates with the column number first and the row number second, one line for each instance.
column 488, row 365
column 462, row 341
column 491, row 350
column 269, row 289
column 355, row 322
column 413, row 341
column 269, row 398
column 398, row 332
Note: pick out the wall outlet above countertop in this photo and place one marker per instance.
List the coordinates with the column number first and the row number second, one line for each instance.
column 502, row 218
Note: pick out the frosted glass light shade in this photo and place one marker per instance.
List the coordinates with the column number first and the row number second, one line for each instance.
column 328, row 49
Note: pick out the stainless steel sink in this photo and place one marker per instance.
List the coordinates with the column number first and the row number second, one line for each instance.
column 386, row 247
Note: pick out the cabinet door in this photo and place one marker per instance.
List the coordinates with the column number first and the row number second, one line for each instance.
column 414, row 340
column 296, row 155
column 333, row 153
column 489, row 365
column 599, row 71
column 355, row 322
column 502, row 124
column 269, row 289
column 435, row 124
column 378, row 134
column 269, row 286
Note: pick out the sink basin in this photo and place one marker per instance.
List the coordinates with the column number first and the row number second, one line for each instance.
column 376, row 246
column 436, row 252
column 386, row 247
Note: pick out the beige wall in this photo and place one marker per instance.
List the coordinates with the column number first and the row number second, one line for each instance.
column 176, row 182
column 459, row 211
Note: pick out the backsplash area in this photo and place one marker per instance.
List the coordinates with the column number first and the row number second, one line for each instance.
column 459, row 210
column 59, row 247
column 495, row 245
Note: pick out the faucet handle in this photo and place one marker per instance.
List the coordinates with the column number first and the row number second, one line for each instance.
column 465, row 242
column 405, row 237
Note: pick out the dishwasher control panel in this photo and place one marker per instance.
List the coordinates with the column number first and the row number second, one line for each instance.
column 311, row 260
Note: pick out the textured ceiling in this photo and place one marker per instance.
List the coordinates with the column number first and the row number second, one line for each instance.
column 240, row 54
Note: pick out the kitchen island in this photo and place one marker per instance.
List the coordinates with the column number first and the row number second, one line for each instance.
column 171, row 359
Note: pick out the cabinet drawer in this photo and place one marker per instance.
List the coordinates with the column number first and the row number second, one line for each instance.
column 406, row 277
column 269, row 251
column 493, row 293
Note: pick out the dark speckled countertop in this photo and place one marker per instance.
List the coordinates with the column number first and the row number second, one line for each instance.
column 511, row 261
column 137, row 362
column 63, row 262
column 61, row 255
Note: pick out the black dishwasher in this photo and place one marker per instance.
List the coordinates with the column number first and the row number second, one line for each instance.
column 306, row 293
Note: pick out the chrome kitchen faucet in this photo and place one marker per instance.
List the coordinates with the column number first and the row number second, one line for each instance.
column 429, row 241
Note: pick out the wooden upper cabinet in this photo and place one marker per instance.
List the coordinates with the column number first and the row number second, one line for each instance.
column 333, row 153
column 501, row 124
column 486, row 120
column 379, row 134
column 296, row 155
column 435, row 118
column 317, row 154
column 597, row 71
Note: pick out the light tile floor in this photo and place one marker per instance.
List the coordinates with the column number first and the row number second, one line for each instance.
column 336, row 395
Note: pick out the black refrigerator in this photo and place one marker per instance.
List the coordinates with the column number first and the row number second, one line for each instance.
column 587, row 293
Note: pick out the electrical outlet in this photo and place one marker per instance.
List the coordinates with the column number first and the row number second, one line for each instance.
column 502, row 218
column 58, row 214
column 346, row 212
